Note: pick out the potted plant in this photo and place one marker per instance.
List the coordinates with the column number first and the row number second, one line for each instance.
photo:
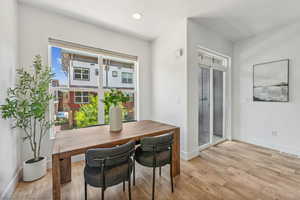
column 114, row 100
column 27, row 105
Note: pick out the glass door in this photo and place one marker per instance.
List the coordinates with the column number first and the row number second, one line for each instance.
column 204, row 106
column 218, row 105
column 211, row 103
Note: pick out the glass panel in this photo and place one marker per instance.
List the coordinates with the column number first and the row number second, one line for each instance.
column 78, row 99
column 218, row 84
column 85, row 99
column 78, row 71
column 128, row 108
column 60, row 68
column 74, row 109
column 86, row 71
column 114, row 74
column 118, row 74
column 85, row 77
column 204, row 106
column 77, row 76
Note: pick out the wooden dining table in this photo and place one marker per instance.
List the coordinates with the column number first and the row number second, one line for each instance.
column 69, row 143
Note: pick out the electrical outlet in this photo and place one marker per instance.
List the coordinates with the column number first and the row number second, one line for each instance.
column 274, row 133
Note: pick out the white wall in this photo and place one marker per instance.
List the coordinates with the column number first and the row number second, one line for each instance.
column 9, row 140
column 169, row 81
column 254, row 121
column 37, row 25
column 199, row 35
column 174, row 79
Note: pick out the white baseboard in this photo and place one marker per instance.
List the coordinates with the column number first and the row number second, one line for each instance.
column 282, row 149
column 189, row 155
column 10, row 188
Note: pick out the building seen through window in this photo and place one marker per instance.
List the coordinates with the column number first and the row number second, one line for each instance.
column 81, row 80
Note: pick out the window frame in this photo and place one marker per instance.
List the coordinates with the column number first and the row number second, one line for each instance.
column 101, row 88
column 114, row 74
column 127, row 77
column 81, row 97
column 82, row 69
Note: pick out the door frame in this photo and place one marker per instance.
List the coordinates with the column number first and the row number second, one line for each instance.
column 227, row 135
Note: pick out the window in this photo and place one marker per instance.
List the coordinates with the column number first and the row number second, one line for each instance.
column 114, row 74
column 118, row 74
column 81, row 97
column 127, row 77
column 82, row 74
column 78, row 103
column 97, row 72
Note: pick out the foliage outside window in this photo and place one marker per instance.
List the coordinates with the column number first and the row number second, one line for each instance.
column 114, row 97
column 87, row 114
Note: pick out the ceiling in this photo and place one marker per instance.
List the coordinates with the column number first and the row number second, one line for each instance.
column 235, row 19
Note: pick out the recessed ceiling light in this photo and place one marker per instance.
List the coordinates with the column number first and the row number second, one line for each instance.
column 137, row 16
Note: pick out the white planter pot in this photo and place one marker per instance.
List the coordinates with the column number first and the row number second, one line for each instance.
column 115, row 118
column 35, row 170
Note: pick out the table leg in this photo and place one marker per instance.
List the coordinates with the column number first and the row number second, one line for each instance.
column 65, row 170
column 176, row 153
column 56, row 177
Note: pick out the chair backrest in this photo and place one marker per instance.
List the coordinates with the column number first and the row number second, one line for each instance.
column 157, row 143
column 109, row 156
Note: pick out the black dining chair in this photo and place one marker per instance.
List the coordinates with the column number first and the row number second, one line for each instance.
column 155, row 152
column 106, row 167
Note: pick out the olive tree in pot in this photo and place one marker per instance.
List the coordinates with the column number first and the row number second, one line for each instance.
column 114, row 100
column 27, row 106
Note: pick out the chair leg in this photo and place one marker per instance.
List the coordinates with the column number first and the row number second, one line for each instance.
column 171, row 177
column 153, row 184
column 85, row 190
column 129, row 187
column 102, row 193
column 159, row 171
column 124, row 186
column 134, row 172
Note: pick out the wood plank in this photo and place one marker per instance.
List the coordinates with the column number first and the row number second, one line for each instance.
column 176, row 152
column 229, row 171
column 78, row 141
column 65, row 170
column 56, row 176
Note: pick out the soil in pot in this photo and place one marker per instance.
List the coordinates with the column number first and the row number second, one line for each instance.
column 33, row 161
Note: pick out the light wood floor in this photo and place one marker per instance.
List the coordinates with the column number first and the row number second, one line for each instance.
column 231, row 170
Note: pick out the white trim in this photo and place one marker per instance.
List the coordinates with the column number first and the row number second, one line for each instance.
column 10, row 188
column 189, row 155
column 226, row 92
column 199, row 47
column 82, row 69
column 282, row 149
column 206, row 146
column 211, row 105
column 81, row 96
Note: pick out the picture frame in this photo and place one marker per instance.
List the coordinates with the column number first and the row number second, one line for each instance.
column 271, row 81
